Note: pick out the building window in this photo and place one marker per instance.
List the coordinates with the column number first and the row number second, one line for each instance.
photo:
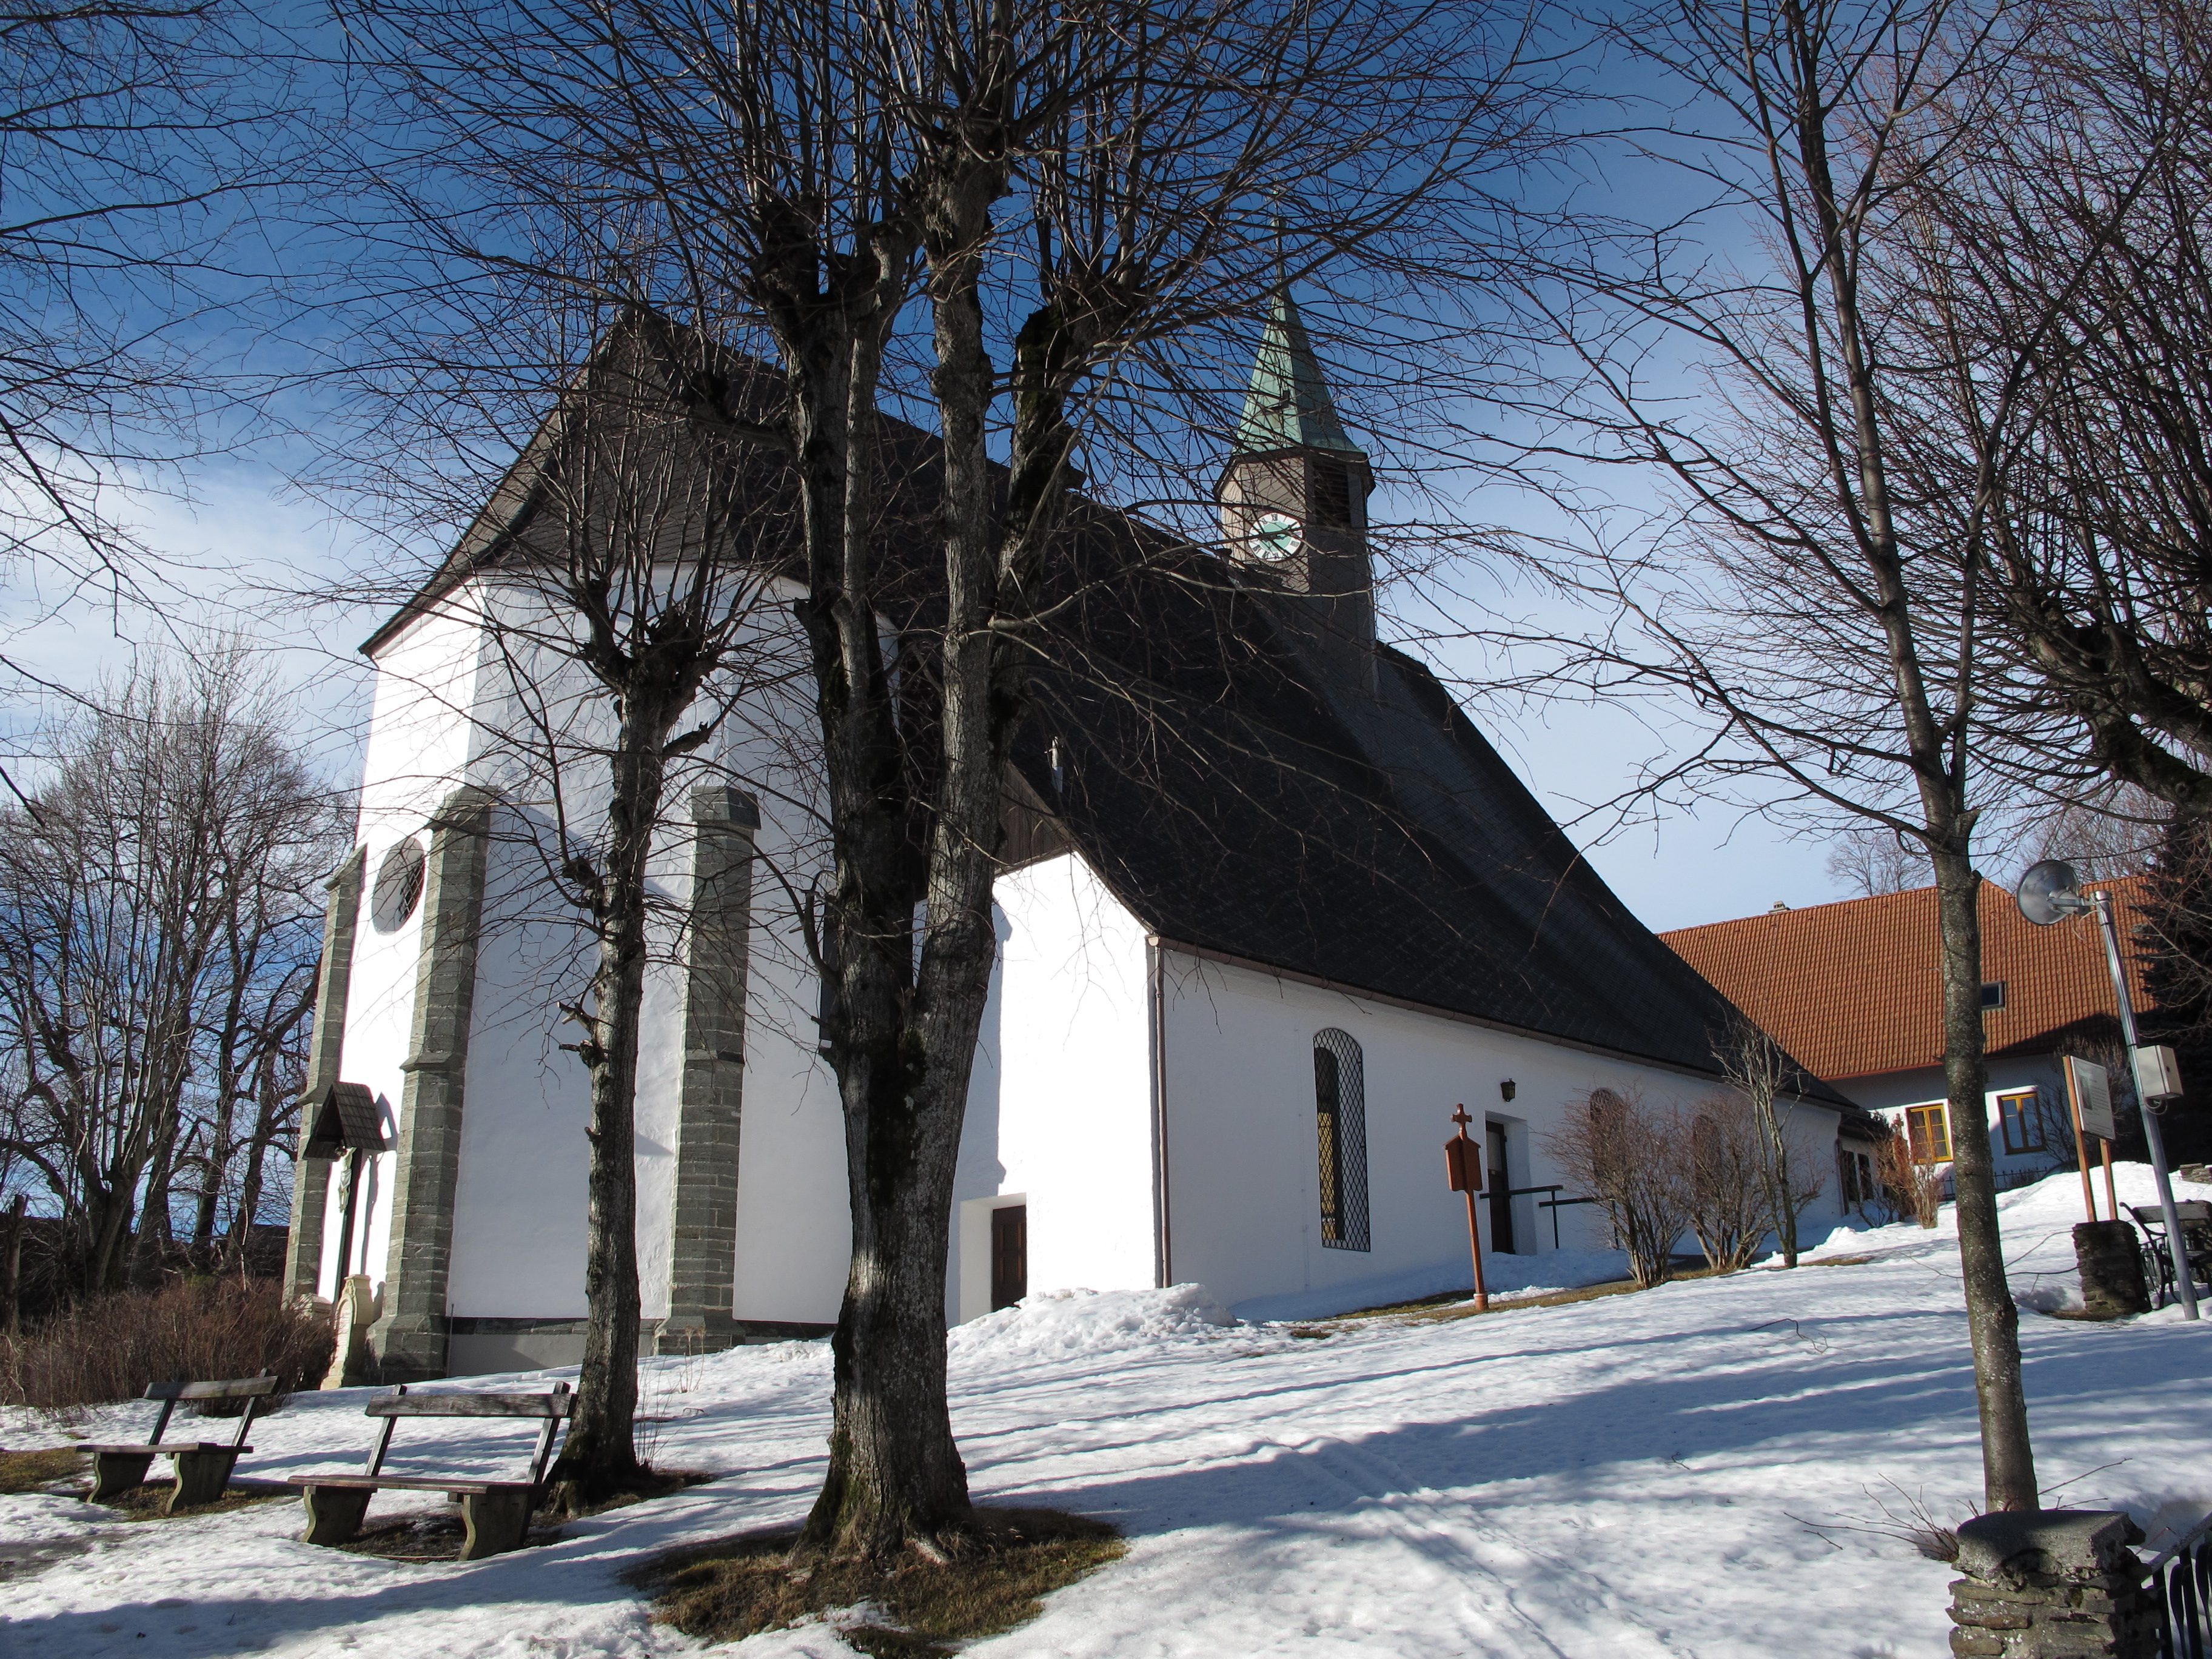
column 1992, row 994
column 1340, row 1125
column 398, row 887
column 2022, row 1123
column 1929, row 1129
column 1858, row 1178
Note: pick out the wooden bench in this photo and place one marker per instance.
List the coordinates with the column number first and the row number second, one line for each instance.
column 495, row 1512
column 203, row 1466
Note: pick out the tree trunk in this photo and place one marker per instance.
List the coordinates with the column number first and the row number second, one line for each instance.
column 1783, row 1195
column 1992, row 1319
column 107, row 1241
column 257, row 1157
column 11, row 1268
column 894, row 1474
column 599, row 1457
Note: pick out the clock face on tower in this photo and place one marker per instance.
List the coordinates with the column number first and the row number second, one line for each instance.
column 1277, row 535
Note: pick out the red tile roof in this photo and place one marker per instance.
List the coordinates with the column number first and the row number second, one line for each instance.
column 1853, row 989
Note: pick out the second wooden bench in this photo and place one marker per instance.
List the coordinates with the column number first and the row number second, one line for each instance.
column 496, row 1513
column 203, row 1466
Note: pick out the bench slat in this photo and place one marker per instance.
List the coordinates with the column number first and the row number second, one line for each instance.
column 168, row 1446
column 471, row 1404
column 405, row 1483
column 240, row 1388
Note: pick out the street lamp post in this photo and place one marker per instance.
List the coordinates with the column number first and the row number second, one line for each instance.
column 2184, row 1279
column 2049, row 892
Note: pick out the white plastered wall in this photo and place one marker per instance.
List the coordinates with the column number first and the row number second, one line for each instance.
column 1240, row 1142
column 418, row 751
column 1060, row 1106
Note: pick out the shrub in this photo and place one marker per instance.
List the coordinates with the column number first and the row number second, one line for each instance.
column 111, row 1348
column 1911, row 1189
column 1622, row 1153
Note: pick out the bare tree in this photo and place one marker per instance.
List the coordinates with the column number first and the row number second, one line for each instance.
column 1065, row 190
column 1787, row 1170
column 1870, row 862
column 134, row 135
column 156, row 948
column 2071, row 240
column 1799, row 594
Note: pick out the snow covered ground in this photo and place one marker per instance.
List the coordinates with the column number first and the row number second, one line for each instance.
column 1673, row 1473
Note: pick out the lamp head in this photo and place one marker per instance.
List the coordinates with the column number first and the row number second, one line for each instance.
column 2049, row 893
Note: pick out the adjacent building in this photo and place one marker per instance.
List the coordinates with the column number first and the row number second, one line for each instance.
column 1854, row 991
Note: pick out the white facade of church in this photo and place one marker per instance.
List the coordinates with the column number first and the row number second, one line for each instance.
column 1154, row 1111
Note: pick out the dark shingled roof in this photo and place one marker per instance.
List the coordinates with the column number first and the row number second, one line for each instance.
column 1252, row 785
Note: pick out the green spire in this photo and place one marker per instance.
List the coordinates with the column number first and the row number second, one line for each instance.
column 1288, row 406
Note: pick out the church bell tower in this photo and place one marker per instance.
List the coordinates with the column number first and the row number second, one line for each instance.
column 1293, row 497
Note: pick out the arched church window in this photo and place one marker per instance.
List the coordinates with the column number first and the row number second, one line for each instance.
column 398, row 887
column 1340, row 1127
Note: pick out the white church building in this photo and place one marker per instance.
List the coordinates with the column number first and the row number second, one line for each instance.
column 1261, row 929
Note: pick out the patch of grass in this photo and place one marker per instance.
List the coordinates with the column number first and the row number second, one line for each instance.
column 1838, row 1261
column 28, row 1471
column 434, row 1537
column 144, row 1502
column 1456, row 1305
column 916, row 1609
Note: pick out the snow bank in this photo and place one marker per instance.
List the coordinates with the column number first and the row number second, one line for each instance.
column 1055, row 1324
column 1512, row 1275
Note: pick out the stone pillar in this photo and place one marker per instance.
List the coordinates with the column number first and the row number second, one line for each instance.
column 311, row 1177
column 704, row 1218
column 408, row 1342
column 2111, row 1268
column 2051, row 1585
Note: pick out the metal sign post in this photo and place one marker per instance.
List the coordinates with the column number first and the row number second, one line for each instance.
column 1463, row 1164
column 2049, row 893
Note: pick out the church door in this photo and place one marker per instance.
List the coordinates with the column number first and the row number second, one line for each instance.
column 1010, row 1255
column 1501, row 1186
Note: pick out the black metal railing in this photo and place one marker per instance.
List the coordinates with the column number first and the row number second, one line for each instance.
column 2181, row 1578
column 1554, row 1204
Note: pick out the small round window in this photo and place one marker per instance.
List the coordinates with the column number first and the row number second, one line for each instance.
column 398, row 887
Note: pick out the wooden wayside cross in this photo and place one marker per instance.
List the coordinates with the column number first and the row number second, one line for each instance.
column 1463, row 1162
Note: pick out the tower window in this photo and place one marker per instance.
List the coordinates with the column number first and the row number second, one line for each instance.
column 1332, row 493
column 1340, row 1127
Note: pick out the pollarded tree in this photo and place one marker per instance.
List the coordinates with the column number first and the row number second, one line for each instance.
column 1070, row 186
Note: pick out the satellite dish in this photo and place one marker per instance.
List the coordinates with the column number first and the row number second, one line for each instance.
column 2047, row 893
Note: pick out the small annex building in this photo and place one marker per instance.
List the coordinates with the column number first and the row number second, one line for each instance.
column 1271, row 907
column 1854, row 990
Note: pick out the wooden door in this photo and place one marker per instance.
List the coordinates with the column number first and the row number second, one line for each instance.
column 1501, row 1186
column 1010, row 1255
